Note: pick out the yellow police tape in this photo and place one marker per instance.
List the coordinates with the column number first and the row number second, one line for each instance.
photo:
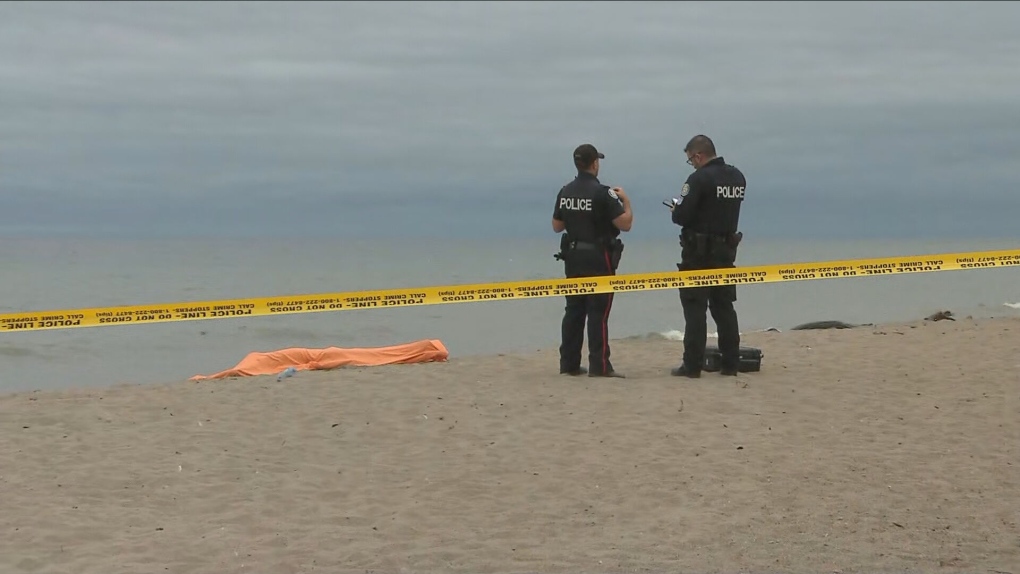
column 505, row 291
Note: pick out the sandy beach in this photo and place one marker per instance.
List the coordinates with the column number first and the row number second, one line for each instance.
column 886, row 448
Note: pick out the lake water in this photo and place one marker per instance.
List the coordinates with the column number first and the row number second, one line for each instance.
column 65, row 273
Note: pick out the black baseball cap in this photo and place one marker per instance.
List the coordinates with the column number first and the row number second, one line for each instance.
column 585, row 154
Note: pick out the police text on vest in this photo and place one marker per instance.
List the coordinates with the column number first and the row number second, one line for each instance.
column 575, row 204
column 729, row 192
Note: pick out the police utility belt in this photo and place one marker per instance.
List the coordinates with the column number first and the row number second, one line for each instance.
column 613, row 245
column 703, row 244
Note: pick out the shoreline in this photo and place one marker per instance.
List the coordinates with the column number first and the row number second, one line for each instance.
column 671, row 336
column 115, row 355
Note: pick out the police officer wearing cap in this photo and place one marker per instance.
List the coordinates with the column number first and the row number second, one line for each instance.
column 593, row 215
column 708, row 212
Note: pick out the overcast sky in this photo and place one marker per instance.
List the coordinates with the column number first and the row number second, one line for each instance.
column 459, row 118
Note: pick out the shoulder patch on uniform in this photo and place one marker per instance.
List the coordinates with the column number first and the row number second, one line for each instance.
column 685, row 190
column 612, row 194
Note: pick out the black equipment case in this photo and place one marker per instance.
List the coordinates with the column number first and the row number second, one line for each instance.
column 750, row 359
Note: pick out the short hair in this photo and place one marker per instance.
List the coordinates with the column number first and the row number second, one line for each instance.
column 700, row 144
column 585, row 155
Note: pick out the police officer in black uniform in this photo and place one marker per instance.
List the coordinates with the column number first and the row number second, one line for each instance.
column 708, row 213
column 593, row 215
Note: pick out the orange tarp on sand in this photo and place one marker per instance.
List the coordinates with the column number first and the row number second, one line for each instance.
column 301, row 359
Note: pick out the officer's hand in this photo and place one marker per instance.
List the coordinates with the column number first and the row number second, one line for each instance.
column 619, row 191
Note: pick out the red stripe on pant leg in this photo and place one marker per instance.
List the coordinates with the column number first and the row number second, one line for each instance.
column 605, row 318
column 605, row 333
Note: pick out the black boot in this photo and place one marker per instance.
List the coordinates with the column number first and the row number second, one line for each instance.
column 608, row 374
column 684, row 371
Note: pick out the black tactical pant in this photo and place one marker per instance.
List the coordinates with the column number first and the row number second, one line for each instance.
column 719, row 301
column 593, row 309
column 716, row 299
